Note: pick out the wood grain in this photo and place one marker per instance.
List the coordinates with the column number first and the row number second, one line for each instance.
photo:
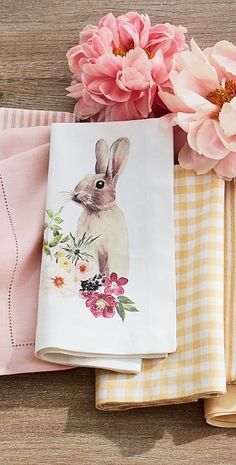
column 50, row 418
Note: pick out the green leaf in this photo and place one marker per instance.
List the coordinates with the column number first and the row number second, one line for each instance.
column 55, row 241
column 83, row 237
column 46, row 249
column 88, row 239
column 88, row 242
column 73, row 239
column 58, row 220
column 45, row 226
column 58, row 211
column 120, row 311
column 130, row 308
column 65, row 239
column 85, row 254
column 124, row 300
column 55, row 226
column 49, row 212
column 56, row 232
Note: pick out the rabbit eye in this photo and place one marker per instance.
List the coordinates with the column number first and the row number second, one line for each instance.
column 100, row 184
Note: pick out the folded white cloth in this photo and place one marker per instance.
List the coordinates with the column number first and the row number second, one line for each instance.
column 107, row 291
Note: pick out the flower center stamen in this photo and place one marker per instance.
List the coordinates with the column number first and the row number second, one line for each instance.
column 101, row 304
column 122, row 51
column 58, row 281
column 222, row 95
column 82, row 268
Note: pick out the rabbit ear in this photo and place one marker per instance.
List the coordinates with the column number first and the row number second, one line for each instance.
column 118, row 158
column 102, row 157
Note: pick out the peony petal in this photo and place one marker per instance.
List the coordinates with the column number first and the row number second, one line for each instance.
column 173, row 102
column 228, row 141
column 227, row 118
column 84, row 110
column 209, row 143
column 226, row 168
column 168, row 120
column 113, row 92
column 197, row 52
column 197, row 78
column 87, row 33
column 122, row 111
column 224, row 54
column 143, row 105
column 102, row 40
column 194, row 100
column 190, row 159
column 186, row 120
column 110, row 22
column 192, row 135
column 75, row 90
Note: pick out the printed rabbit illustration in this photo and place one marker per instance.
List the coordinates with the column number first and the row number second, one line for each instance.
column 101, row 217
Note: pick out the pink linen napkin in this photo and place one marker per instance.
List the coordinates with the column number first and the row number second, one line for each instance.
column 24, row 148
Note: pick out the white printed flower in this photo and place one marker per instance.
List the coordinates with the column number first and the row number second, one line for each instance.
column 62, row 283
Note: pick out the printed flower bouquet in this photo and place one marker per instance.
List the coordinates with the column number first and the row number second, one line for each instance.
column 71, row 270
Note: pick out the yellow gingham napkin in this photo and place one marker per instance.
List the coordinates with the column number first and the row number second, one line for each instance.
column 221, row 411
column 197, row 369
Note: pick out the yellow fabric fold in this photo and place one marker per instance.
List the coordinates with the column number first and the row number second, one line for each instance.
column 221, row 411
column 197, row 369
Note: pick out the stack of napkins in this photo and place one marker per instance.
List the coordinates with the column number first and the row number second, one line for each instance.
column 107, row 294
column 24, row 150
column 107, row 288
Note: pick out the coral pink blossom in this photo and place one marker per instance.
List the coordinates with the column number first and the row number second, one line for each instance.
column 114, row 285
column 84, row 270
column 203, row 103
column 102, row 305
column 119, row 66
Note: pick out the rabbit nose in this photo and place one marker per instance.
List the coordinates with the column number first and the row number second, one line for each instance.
column 76, row 198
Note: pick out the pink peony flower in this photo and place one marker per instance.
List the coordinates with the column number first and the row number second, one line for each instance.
column 203, row 103
column 119, row 66
column 101, row 305
column 114, row 284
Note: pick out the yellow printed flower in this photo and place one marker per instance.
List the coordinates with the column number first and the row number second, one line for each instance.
column 63, row 262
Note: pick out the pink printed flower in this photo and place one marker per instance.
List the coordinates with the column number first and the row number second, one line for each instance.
column 86, row 294
column 114, row 284
column 203, row 103
column 85, row 270
column 102, row 305
column 119, row 66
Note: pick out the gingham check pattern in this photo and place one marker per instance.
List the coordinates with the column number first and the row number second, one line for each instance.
column 197, row 369
column 230, row 284
column 222, row 411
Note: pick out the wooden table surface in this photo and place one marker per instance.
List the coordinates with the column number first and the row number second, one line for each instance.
column 50, row 418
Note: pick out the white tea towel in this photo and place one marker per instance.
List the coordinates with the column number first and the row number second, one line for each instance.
column 107, row 292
